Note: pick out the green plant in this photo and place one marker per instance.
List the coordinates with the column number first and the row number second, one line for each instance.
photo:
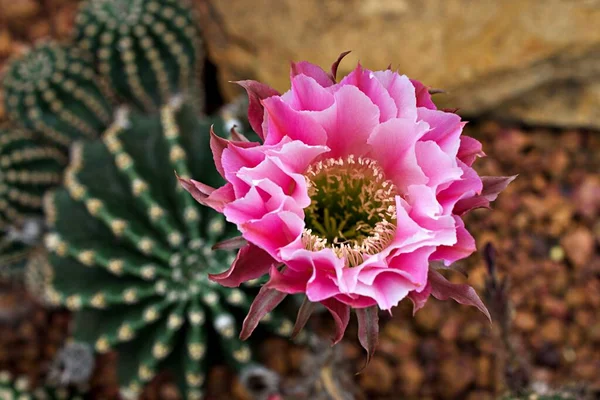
column 27, row 170
column 130, row 251
column 149, row 50
column 19, row 389
column 54, row 91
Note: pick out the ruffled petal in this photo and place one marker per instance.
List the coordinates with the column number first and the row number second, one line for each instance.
column 469, row 150
column 423, row 96
column 282, row 120
column 393, row 146
column 307, row 95
column 256, row 93
column 445, row 129
column 401, row 90
column 463, row 248
column 366, row 82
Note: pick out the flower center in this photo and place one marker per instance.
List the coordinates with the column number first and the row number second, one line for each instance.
column 352, row 210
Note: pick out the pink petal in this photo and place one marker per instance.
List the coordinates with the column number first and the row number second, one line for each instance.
column 288, row 281
column 468, row 186
column 367, row 83
column 207, row 195
column 307, row 95
column 250, row 263
column 312, row 70
column 304, row 313
column 273, row 231
column 423, row 95
column 438, row 166
column 249, row 207
column 469, row 150
column 218, row 145
column 464, row 247
column 492, row 186
column 393, row 143
column 445, row 129
column 401, row 90
column 419, row 298
column 388, row 288
column 283, row 121
column 256, row 92
column 341, row 315
column 349, row 122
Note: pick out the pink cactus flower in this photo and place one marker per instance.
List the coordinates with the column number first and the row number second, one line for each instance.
column 354, row 195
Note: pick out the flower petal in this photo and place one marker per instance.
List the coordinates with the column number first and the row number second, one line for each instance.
column 307, row 95
column 283, row 121
column 393, row 146
column 420, row 298
column 365, row 80
column 492, row 186
column 264, row 302
column 442, row 289
column 423, row 95
column 368, row 330
column 401, row 90
column 464, row 246
column 250, row 263
column 341, row 315
column 312, row 70
column 256, row 92
column 469, row 150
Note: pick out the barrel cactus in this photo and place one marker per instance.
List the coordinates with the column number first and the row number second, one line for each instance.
column 130, row 252
column 149, row 50
column 12, row 388
column 53, row 90
column 27, row 170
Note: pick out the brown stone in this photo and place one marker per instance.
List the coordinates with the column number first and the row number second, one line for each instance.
column 411, row 377
column 377, row 377
column 579, row 246
column 525, row 321
column 553, row 331
column 528, row 60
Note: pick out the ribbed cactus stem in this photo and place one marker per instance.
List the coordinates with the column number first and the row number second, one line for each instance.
column 148, row 50
column 141, row 251
column 53, row 90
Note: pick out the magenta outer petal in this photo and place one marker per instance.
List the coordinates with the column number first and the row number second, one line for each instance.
column 312, row 70
column 251, row 263
column 341, row 315
column 423, row 96
column 469, row 150
column 420, row 298
column 288, row 281
column 401, row 90
column 256, row 92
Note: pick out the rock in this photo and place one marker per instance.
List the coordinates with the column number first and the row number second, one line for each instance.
column 377, row 377
column 579, row 246
column 533, row 61
column 553, row 331
column 5, row 43
column 525, row 321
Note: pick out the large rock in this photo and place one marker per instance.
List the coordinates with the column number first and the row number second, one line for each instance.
column 531, row 60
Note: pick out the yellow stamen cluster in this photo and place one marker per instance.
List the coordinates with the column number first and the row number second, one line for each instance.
column 352, row 210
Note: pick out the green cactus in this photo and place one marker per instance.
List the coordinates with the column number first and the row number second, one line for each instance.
column 19, row 389
column 131, row 251
column 149, row 50
column 27, row 170
column 54, row 91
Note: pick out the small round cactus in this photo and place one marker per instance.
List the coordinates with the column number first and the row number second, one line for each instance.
column 149, row 50
column 27, row 170
column 12, row 388
column 134, row 265
column 53, row 90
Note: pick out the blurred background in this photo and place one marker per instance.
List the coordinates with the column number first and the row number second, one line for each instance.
column 526, row 73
